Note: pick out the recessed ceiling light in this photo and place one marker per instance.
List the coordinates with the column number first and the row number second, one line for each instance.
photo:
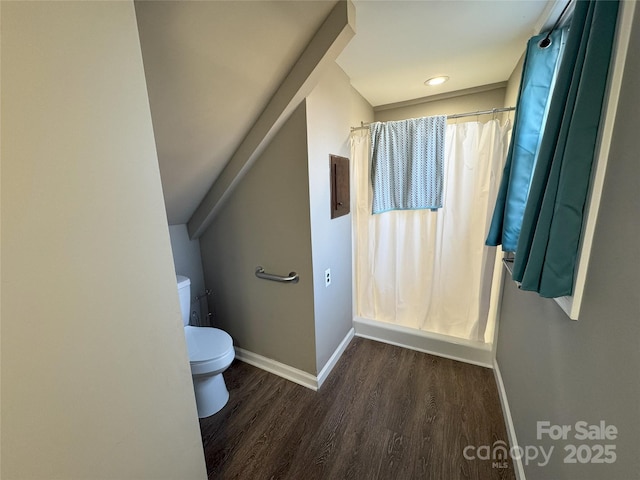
column 432, row 82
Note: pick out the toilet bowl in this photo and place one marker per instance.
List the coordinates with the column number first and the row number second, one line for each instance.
column 210, row 353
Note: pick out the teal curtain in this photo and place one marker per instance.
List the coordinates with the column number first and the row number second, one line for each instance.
column 538, row 73
column 547, row 248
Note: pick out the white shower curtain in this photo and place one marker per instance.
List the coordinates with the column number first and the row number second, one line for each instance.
column 431, row 270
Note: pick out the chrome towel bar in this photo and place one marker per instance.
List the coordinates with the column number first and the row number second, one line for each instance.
column 292, row 278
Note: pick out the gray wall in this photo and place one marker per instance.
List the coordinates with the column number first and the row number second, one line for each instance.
column 361, row 110
column 470, row 102
column 513, row 85
column 328, row 121
column 95, row 379
column 188, row 262
column 266, row 222
column 564, row 371
column 279, row 217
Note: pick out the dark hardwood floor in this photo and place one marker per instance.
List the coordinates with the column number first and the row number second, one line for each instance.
column 384, row 413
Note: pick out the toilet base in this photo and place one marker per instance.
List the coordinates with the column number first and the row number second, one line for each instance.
column 211, row 394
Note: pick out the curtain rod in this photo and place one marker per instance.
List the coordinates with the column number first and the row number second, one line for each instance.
column 546, row 41
column 455, row 115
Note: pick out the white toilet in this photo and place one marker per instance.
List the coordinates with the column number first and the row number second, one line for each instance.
column 210, row 353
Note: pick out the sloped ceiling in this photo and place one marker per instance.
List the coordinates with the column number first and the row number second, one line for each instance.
column 212, row 66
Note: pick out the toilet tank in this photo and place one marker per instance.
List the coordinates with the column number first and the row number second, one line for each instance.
column 184, row 293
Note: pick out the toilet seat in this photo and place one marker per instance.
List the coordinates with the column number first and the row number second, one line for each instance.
column 210, row 349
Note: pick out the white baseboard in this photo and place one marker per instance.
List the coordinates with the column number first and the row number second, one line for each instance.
column 506, row 412
column 294, row 374
column 476, row 353
column 326, row 370
column 282, row 370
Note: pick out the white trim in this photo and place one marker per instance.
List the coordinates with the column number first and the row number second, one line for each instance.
column 571, row 304
column 328, row 367
column 293, row 374
column 277, row 368
column 476, row 353
column 566, row 304
column 506, row 412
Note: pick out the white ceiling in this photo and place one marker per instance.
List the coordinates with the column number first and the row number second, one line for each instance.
column 211, row 66
column 400, row 44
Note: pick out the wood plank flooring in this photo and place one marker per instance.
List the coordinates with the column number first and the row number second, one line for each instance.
column 384, row 413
